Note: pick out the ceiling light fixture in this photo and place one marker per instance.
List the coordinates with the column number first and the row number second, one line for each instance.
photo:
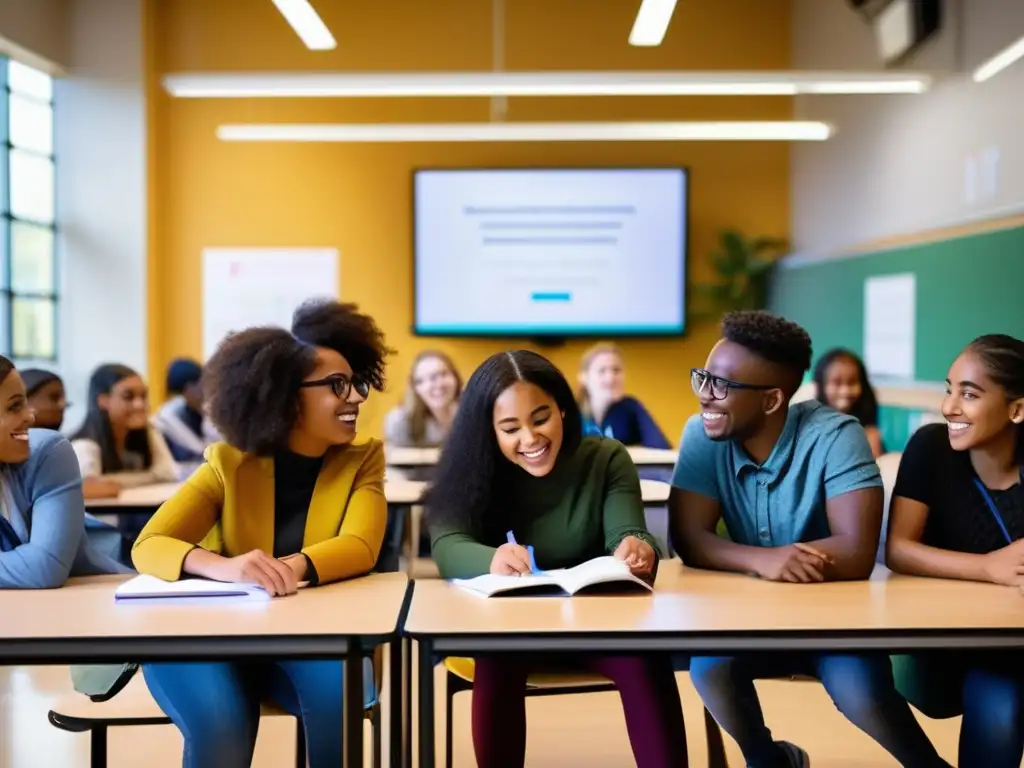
column 651, row 22
column 793, row 130
column 463, row 84
column 307, row 24
column 1009, row 55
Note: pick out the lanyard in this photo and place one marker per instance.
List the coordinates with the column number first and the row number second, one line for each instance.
column 992, row 505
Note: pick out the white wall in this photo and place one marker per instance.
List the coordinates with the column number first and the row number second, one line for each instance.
column 897, row 163
column 101, row 193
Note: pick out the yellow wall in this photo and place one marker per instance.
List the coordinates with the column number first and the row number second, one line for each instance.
column 357, row 198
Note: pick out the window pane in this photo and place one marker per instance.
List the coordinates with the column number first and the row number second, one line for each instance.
column 31, row 124
column 31, row 186
column 32, row 262
column 33, row 328
column 29, row 80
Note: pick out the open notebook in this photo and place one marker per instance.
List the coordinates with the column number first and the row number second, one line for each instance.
column 600, row 572
column 150, row 587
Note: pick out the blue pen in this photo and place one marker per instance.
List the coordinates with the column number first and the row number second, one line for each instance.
column 511, row 538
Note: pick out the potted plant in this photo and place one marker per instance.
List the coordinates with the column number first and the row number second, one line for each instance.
column 744, row 267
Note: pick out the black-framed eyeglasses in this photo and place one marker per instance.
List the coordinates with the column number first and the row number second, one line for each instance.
column 341, row 386
column 717, row 388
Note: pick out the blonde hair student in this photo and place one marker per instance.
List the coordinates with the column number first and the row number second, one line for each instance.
column 606, row 408
column 431, row 397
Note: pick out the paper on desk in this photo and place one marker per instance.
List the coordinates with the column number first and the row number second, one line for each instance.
column 150, row 587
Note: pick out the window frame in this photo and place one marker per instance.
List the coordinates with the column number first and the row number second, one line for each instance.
column 8, row 292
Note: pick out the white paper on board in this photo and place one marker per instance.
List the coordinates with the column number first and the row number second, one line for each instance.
column 246, row 287
column 890, row 312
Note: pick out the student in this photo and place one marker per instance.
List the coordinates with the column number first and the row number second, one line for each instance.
column 841, row 382
column 801, row 498
column 180, row 420
column 607, row 409
column 958, row 513
column 42, row 514
column 46, row 397
column 296, row 499
column 116, row 447
column 421, row 421
column 432, row 396
column 516, row 461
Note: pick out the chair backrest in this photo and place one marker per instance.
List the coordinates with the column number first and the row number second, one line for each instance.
column 888, row 465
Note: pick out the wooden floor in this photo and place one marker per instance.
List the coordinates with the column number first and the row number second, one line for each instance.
column 563, row 731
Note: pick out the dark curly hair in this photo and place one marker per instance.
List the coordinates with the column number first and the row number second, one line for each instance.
column 771, row 338
column 865, row 409
column 252, row 381
column 471, row 479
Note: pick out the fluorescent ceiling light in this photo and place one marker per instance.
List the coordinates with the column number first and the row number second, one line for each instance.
column 307, row 24
column 441, row 84
column 1000, row 61
column 651, row 22
column 793, row 130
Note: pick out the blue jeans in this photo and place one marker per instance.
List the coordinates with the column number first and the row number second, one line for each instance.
column 988, row 690
column 216, row 706
column 860, row 685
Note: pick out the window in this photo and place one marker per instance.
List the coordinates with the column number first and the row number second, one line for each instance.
column 28, row 317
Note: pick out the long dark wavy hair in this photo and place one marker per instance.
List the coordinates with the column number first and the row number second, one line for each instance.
column 96, row 426
column 472, row 476
column 865, row 408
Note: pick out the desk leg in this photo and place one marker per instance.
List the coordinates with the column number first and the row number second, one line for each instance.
column 408, row 666
column 354, row 708
column 426, row 708
column 396, row 718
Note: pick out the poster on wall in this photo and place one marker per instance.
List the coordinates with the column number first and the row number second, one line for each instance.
column 890, row 319
column 245, row 287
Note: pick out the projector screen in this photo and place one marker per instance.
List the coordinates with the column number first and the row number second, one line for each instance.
column 555, row 252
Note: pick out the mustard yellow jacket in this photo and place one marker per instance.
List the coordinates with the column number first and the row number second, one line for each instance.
column 227, row 505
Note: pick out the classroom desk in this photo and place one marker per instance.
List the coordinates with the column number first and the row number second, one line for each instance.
column 82, row 624
column 695, row 611
column 426, row 457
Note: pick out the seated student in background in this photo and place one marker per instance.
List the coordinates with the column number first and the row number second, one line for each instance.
column 515, row 461
column 421, row 421
column 116, row 446
column 841, row 382
column 801, row 498
column 180, row 420
column 42, row 514
column 606, row 408
column 958, row 513
column 296, row 499
column 46, row 397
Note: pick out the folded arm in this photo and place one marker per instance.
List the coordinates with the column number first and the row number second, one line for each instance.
column 905, row 552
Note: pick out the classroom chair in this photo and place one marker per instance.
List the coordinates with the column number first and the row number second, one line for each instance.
column 459, row 678
column 134, row 705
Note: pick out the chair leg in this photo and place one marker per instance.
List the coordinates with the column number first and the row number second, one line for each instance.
column 449, row 698
column 376, row 721
column 300, row 743
column 98, row 747
column 716, row 746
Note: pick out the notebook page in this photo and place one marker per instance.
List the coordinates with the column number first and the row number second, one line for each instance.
column 492, row 583
column 149, row 587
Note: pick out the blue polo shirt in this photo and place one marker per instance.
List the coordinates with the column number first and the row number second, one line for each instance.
column 821, row 454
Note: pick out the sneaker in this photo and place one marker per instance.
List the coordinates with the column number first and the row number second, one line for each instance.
column 795, row 757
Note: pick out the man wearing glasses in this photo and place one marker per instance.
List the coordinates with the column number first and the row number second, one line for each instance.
column 801, row 499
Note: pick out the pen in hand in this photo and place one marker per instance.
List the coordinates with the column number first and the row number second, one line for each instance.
column 511, row 539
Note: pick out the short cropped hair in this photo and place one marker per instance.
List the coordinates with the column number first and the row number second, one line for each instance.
column 252, row 381
column 771, row 338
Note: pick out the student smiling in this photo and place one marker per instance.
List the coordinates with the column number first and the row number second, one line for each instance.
column 958, row 513
column 515, row 460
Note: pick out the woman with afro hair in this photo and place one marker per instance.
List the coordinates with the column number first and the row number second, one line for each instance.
column 290, row 496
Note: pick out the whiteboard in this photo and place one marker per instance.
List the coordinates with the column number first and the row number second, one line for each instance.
column 246, row 287
column 890, row 316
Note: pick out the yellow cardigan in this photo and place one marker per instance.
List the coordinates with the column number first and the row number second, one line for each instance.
column 229, row 501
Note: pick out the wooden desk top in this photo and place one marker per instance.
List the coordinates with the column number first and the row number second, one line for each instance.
column 82, row 620
column 425, row 457
column 738, row 612
column 396, row 491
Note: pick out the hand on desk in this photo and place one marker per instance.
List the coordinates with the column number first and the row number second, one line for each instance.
column 511, row 560
column 798, row 563
column 1006, row 565
column 257, row 567
column 100, row 488
column 638, row 555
